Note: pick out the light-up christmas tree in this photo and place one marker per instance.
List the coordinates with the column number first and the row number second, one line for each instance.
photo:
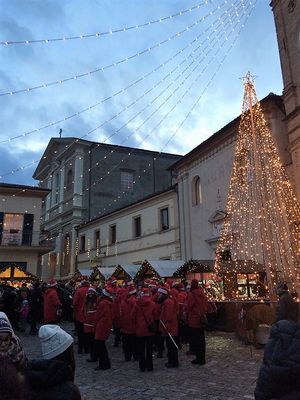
column 262, row 226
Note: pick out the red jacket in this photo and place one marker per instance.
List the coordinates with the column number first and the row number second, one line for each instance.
column 78, row 302
column 196, row 306
column 89, row 313
column 127, row 322
column 51, row 305
column 117, row 308
column 104, row 318
column 182, row 297
column 143, row 314
column 168, row 316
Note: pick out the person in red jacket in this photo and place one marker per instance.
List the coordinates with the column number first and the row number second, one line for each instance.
column 78, row 302
column 168, row 325
column 52, row 304
column 182, row 298
column 89, row 321
column 127, row 324
column 196, row 308
column 104, row 322
column 143, row 315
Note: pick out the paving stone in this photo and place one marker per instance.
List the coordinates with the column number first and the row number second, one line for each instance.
column 229, row 374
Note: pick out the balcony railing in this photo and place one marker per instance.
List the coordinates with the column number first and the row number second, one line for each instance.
column 15, row 237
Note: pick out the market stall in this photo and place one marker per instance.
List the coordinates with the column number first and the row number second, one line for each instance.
column 14, row 273
column 161, row 269
column 126, row 272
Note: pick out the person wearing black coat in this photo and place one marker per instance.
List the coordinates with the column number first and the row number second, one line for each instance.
column 287, row 307
column 51, row 380
column 35, row 298
column 279, row 375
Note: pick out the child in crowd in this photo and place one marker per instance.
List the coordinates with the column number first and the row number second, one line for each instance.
column 24, row 311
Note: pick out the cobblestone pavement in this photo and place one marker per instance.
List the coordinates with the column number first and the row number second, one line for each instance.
column 229, row 374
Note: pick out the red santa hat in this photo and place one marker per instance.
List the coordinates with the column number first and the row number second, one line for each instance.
column 132, row 290
column 145, row 292
column 84, row 279
column 181, row 286
column 163, row 290
column 52, row 283
column 92, row 289
column 106, row 292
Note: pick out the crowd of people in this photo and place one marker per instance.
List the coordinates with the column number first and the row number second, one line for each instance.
column 143, row 318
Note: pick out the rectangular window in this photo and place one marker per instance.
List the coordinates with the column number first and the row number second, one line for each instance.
column 113, row 234
column 12, row 229
column 82, row 244
column 164, row 219
column 97, row 239
column 137, row 226
column 126, row 181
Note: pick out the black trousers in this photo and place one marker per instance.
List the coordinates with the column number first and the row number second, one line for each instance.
column 197, row 343
column 172, row 351
column 159, row 343
column 90, row 343
column 102, row 354
column 145, row 351
column 118, row 335
column 129, row 347
column 80, row 336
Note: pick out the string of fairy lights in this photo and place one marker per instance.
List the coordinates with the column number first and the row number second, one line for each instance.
column 109, row 171
column 116, row 63
column 214, row 28
column 188, row 114
column 144, row 171
column 261, row 228
column 88, row 244
column 280, row 240
column 109, row 32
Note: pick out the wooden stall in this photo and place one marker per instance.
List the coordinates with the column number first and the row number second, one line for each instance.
column 13, row 272
column 126, row 272
column 161, row 269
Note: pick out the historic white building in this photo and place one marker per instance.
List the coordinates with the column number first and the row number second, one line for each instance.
column 148, row 229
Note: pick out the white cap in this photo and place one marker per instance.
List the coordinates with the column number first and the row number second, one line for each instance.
column 54, row 340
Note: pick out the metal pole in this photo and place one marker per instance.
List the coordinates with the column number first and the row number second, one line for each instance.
column 169, row 334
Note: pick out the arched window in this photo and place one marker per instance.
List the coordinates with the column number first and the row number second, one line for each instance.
column 196, row 191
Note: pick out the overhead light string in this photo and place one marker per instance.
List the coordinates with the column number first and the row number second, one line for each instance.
column 109, row 32
column 207, row 38
column 249, row 8
column 117, row 63
column 121, row 91
column 153, row 113
column 145, row 170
